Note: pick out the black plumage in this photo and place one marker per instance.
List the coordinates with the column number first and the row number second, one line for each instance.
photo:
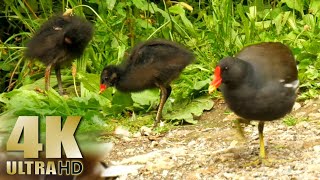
column 259, row 83
column 59, row 41
column 152, row 64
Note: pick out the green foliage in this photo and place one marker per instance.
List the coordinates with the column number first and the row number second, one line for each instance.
column 212, row 29
column 186, row 111
column 292, row 121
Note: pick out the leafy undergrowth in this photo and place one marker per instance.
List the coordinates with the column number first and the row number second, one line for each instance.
column 211, row 29
column 101, row 112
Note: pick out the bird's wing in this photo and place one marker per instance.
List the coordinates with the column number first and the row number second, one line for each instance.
column 271, row 61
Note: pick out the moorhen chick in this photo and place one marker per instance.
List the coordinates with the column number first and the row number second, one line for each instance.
column 259, row 83
column 152, row 64
column 59, row 41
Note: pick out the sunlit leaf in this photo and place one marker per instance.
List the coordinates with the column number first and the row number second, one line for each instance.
column 147, row 97
column 314, row 6
column 195, row 108
column 295, row 4
column 110, row 4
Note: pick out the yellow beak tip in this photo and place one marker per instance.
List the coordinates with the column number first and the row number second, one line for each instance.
column 211, row 89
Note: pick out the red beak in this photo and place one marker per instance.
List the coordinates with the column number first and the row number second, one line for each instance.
column 103, row 87
column 216, row 81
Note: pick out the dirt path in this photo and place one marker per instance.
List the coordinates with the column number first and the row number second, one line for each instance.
column 212, row 149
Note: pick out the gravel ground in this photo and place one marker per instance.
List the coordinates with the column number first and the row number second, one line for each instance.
column 212, row 149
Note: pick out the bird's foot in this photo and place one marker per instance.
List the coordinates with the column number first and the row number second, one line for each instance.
column 258, row 162
column 267, row 161
column 261, row 162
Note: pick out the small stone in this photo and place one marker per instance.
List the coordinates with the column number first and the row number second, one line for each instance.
column 316, row 148
column 137, row 134
column 228, row 175
column 120, row 131
column 145, row 131
column 165, row 173
column 129, row 151
column 299, row 144
column 121, row 170
column 233, row 144
column 301, row 114
column 160, row 164
column 314, row 115
column 191, row 143
column 313, row 168
column 127, row 139
column 303, row 124
column 154, row 144
column 296, row 106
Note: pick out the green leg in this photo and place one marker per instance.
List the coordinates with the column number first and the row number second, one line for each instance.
column 262, row 148
column 239, row 128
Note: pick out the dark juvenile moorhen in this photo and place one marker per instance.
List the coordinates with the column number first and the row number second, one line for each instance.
column 59, row 41
column 152, row 64
column 259, row 83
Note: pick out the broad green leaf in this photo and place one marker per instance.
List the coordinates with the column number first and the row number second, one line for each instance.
column 141, row 4
column 314, row 7
column 177, row 9
column 310, row 21
column 110, row 4
column 120, row 102
column 162, row 12
column 186, row 22
column 147, row 97
column 123, row 99
column 196, row 107
column 90, row 81
column 201, row 84
column 281, row 20
column 5, row 66
column 295, row 4
column 144, row 24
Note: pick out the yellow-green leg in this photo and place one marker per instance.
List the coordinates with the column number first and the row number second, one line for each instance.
column 262, row 154
column 261, row 140
column 239, row 128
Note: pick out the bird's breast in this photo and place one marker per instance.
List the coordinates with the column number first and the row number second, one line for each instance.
column 268, row 103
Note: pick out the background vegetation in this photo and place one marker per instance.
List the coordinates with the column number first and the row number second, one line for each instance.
column 212, row 29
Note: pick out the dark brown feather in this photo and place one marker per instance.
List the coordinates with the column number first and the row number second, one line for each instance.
column 60, row 40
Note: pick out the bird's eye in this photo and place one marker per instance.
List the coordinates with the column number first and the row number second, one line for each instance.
column 106, row 78
column 225, row 68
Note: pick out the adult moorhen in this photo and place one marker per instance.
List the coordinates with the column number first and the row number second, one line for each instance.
column 59, row 41
column 259, row 83
column 154, row 63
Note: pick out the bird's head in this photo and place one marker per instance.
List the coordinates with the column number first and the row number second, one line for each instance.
column 109, row 77
column 230, row 71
